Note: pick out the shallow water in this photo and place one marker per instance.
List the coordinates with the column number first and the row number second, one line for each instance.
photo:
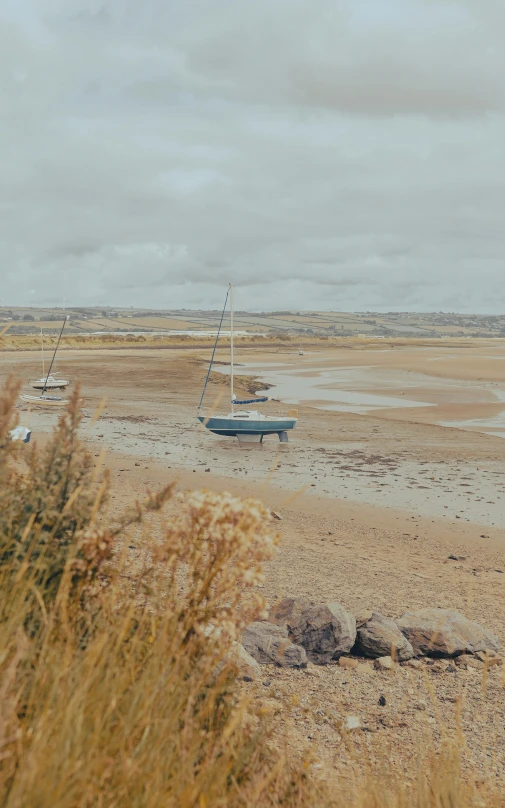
column 470, row 491
column 336, row 389
column 368, row 389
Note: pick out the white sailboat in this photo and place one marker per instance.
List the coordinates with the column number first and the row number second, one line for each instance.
column 44, row 399
column 48, row 382
column 246, row 425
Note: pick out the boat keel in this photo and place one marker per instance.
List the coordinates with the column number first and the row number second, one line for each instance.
column 251, row 438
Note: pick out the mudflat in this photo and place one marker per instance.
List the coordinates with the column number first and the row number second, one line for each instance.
column 374, row 502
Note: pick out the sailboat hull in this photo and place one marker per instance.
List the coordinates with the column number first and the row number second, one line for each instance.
column 55, row 384
column 44, row 401
column 236, row 428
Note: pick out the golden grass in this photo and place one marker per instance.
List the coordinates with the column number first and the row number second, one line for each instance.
column 31, row 342
column 116, row 689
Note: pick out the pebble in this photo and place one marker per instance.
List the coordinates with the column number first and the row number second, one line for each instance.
column 384, row 663
column 348, row 663
column 352, row 722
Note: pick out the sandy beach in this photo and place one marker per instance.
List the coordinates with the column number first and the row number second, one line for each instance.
column 373, row 502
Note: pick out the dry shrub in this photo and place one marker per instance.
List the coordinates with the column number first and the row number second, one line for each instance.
column 117, row 694
column 120, row 694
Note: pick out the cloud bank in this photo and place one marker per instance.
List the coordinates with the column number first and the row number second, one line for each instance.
column 328, row 154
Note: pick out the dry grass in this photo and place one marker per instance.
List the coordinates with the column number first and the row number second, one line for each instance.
column 13, row 342
column 117, row 691
column 31, row 342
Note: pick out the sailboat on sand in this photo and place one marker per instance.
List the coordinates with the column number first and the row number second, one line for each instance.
column 249, row 426
column 48, row 382
column 44, row 399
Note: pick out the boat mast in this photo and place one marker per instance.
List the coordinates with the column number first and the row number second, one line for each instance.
column 54, row 356
column 231, row 344
column 42, row 346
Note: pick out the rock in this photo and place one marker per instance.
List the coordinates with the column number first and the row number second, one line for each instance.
column 325, row 631
column 268, row 643
column 384, row 663
column 348, row 663
column 362, row 616
column 445, row 633
column 414, row 663
column 420, row 705
column 352, row 722
column 247, row 665
column 276, row 515
column 489, row 658
column 379, row 636
column 382, row 701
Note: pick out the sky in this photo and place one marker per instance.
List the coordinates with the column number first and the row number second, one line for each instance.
column 319, row 154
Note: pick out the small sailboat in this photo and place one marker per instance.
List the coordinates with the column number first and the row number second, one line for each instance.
column 246, row 425
column 44, row 399
column 48, row 382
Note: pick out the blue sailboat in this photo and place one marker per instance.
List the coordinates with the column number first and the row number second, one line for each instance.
column 246, row 425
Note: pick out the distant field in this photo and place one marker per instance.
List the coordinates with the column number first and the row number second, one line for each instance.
column 297, row 324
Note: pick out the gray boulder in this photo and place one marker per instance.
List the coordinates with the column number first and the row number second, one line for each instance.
column 326, row 631
column 445, row 633
column 267, row 643
column 379, row 636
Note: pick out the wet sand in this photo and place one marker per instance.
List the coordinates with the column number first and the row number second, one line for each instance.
column 392, row 457
column 417, row 487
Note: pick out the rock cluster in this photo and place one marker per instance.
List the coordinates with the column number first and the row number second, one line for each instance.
column 300, row 631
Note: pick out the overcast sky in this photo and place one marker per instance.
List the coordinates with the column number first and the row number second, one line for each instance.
column 334, row 154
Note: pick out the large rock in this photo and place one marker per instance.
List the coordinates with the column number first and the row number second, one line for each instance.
column 326, row 631
column 267, row 643
column 445, row 633
column 379, row 636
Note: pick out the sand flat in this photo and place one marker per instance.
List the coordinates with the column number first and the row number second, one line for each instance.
column 379, row 510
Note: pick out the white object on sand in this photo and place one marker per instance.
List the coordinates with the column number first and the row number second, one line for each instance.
column 21, row 433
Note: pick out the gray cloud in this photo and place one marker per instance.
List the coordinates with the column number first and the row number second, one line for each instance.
column 329, row 154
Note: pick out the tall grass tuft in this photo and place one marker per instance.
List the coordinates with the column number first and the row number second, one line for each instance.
column 119, row 693
column 117, row 690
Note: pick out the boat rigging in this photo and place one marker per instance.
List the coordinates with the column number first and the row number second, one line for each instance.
column 246, row 425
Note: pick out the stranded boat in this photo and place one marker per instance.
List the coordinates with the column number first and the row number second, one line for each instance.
column 44, row 399
column 246, row 425
column 47, row 382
